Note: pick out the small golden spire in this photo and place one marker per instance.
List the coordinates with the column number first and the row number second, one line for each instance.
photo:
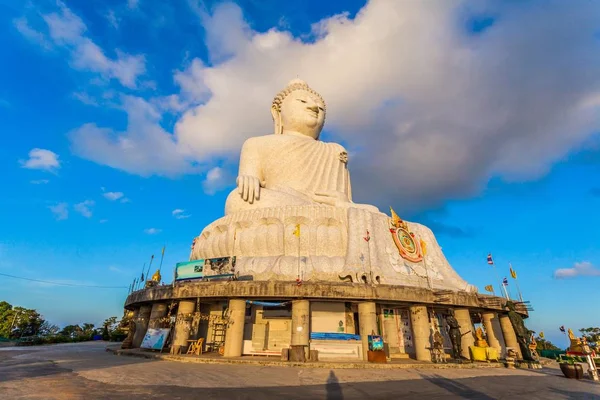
column 396, row 220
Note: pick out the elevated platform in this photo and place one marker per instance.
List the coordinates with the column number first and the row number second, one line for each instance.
column 286, row 290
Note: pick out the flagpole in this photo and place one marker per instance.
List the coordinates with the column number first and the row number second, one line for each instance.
column 495, row 270
column 514, row 276
column 161, row 258
column 505, row 291
column 149, row 266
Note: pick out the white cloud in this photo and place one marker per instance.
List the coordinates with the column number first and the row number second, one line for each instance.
column 423, row 103
column 66, row 30
column 85, row 98
column 112, row 19
column 83, row 208
column 216, row 179
column 60, row 211
column 31, row 34
column 133, row 4
column 584, row 268
column 152, row 231
column 39, row 182
column 145, row 148
column 113, row 196
column 178, row 213
column 41, row 159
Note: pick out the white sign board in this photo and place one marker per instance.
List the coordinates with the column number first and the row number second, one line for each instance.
column 155, row 339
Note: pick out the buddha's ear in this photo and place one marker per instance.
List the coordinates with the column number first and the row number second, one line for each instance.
column 278, row 126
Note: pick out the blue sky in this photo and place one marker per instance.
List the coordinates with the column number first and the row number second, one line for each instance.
column 480, row 121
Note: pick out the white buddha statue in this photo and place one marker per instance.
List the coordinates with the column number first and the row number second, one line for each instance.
column 291, row 166
column 292, row 216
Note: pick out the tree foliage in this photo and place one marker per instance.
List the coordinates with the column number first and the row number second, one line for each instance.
column 544, row 344
column 592, row 335
column 17, row 322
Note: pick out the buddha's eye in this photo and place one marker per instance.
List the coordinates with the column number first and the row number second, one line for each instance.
column 321, row 108
column 303, row 101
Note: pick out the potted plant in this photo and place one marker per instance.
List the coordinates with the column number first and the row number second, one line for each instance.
column 570, row 368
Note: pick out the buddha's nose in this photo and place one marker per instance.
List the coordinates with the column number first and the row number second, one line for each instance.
column 314, row 108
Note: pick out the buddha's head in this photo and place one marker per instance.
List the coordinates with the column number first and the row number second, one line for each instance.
column 300, row 109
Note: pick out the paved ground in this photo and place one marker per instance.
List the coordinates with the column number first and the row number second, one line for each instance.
column 87, row 371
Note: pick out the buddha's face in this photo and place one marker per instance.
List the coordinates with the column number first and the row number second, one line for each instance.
column 303, row 112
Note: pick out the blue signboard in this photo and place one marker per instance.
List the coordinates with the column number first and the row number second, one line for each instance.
column 189, row 270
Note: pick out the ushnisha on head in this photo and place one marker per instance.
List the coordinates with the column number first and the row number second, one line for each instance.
column 298, row 109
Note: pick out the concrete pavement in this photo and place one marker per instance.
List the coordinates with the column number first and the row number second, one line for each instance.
column 87, row 371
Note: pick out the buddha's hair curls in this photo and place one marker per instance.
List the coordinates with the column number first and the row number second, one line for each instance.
column 296, row 84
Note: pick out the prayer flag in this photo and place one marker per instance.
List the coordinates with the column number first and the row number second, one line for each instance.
column 297, row 230
column 505, row 281
column 562, row 329
column 542, row 335
column 513, row 273
column 489, row 288
column 489, row 259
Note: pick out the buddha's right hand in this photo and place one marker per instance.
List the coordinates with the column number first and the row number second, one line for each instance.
column 248, row 187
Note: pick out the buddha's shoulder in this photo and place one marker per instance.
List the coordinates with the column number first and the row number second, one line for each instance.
column 335, row 146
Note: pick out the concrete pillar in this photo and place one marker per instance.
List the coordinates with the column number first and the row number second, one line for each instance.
column 234, row 338
column 419, row 319
column 367, row 323
column 141, row 325
column 466, row 330
column 488, row 324
column 510, row 338
column 183, row 325
column 159, row 310
column 300, row 322
column 498, row 332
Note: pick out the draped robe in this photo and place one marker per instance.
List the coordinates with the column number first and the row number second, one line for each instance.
column 293, row 169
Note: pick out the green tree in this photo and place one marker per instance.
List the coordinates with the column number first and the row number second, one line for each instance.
column 592, row 335
column 48, row 329
column 26, row 322
column 88, row 329
column 110, row 323
column 71, row 331
column 543, row 344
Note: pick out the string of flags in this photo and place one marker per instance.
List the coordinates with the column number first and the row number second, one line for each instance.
column 513, row 274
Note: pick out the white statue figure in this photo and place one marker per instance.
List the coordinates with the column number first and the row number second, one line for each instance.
column 292, row 216
column 291, row 166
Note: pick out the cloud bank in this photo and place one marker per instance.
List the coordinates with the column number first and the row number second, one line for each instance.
column 429, row 107
column 584, row 268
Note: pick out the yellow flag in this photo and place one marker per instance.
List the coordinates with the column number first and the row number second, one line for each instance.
column 513, row 273
column 542, row 334
column 297, row 230
column 489, row 288
column 423, row 247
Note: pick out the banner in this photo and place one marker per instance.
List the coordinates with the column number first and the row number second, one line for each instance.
column 189, row 270
column 155, row 339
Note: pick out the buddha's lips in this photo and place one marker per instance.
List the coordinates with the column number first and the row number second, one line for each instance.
column 313, row 113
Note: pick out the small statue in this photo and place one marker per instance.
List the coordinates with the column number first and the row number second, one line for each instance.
column 577, row 344
column 480, row 342
column 127, row 343
column 455, row 335
column 523, row 334
column 156, row 277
